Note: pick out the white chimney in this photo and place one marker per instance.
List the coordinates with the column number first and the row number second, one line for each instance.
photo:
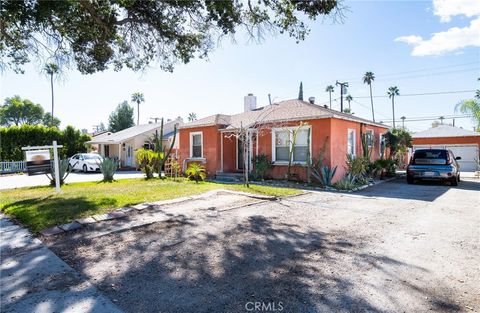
column 311, row 100
column 249, row 102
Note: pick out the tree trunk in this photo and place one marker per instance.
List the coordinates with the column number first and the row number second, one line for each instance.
column 393, row 110
column 330, row 95
column 371, row 102
column 138, row 113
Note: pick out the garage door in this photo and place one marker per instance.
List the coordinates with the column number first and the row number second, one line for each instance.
column 468, row 153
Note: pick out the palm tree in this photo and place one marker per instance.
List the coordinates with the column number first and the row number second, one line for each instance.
column 470, row 107
column 138, row 98
column 192, row 117
column 392, row 92
column 349, row 98
column 51, row 69
column 368, row 78
column 330, row 89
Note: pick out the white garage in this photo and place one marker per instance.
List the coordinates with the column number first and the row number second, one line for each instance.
column 463, row 143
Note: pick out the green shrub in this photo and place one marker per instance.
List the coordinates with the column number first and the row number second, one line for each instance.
column 13, row 138
column 326, row 175
column 147, row 161
column 357, row 166
column 108, row 167
column 196, row 172
column 262, row 165
column 348, row 182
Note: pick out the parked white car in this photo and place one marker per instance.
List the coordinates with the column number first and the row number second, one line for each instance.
column 86, row 162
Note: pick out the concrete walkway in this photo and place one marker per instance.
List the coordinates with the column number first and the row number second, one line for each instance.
column 34, row 279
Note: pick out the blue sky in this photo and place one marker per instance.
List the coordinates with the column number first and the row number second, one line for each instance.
column 375, row 36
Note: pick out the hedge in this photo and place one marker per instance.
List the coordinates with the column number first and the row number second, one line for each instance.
column 13, row 138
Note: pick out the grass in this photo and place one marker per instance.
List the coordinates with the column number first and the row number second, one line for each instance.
column 40, row 207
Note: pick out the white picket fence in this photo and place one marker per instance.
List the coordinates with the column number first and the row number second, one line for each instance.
column 13, row 167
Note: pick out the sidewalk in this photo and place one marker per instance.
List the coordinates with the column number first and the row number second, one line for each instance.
column 34, row 279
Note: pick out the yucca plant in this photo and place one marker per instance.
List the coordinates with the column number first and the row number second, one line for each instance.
column 196, row 172
column 65, row 170
column 108, row 167
column 146, row 160
column 175, row 169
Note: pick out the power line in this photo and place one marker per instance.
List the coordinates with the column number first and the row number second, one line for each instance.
column 422, row 94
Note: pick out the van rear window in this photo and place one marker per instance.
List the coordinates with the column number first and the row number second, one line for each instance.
column 430, row 157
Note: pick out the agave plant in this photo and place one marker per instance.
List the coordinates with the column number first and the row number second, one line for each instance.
column 108, row 167
column 196, row 172
column 348, row 182
column 65, row 170
column 326, row 175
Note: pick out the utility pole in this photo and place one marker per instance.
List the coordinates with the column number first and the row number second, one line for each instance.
column 155, row 119
column 403, row 121
column 269, row 99
column 441, row 119
column 343, row 90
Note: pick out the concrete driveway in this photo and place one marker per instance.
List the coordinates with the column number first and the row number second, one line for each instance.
column 23, row 180
column 391, row 248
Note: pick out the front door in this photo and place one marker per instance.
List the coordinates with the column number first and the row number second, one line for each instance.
column 129, row 155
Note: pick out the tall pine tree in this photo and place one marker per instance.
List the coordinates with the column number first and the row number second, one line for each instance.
column 300, row 92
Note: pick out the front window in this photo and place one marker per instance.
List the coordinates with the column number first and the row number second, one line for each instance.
column 282, row 145
column 369, row 138
column 196, row 143
column 301, row 146
column 351, row 142
column 382, row 144
column 286, row 139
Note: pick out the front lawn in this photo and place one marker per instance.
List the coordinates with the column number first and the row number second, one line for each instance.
column 41, row 207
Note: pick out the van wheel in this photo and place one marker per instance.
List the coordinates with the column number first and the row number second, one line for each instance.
column 458, row 177
column 410, row 180
column 454, row 181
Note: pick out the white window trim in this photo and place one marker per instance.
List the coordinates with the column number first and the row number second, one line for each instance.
column 289, row 129
column 191, row 144
column 354, row 141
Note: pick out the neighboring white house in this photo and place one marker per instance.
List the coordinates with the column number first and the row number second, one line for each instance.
column 123, row 144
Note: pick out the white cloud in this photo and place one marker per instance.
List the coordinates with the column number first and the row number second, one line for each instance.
column 445, row 9
column 453, row 39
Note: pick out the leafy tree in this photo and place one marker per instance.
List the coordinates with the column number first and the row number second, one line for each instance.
column 18, row 111
column 392, row 92
column 300, row 91
column 192, row 117
column 138, row 98
column 51, row 69
column 368, row 78
column 95, row 35
column 50, row 121
column 398, row 140
column 73, row 141
column 121, row 118
column 330, row 89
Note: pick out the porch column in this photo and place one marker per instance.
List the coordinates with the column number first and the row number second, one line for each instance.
column 119, row 155
column 221, row 152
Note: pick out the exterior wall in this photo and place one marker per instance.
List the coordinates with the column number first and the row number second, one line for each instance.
column 339, row 133
column 211, row 147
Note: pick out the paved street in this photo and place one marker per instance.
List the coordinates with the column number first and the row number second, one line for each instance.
column 390, row 248
column 23, row 180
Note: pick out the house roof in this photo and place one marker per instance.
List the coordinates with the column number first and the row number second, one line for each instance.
column 131, row 132
column 445, row 131
column 289, row 110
